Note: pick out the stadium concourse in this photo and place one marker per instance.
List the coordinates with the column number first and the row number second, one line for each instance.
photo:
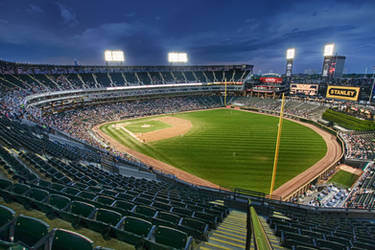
column 61, row 185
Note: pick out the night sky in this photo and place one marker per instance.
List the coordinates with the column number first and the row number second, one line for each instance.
column 210, row 31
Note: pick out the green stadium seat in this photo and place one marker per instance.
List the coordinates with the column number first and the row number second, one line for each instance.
column 167, row 238
column 144, row 211
column 173, row 218
column 289, row 239
column 125, row 196
column 329, row 244
column 182, row 211
column 142, row 201
column 44, row 184
column 86, row 195
column 161, row 206
column 5, row 184
column 26, row 231
column 102, row 221
column 132, row 230
column 211, row 220
column 61, row 239
column 105, row 200
column 70, row 191
column 33, row 198
column 125, row 205
column 56, row 203
column 57, row 187
column 107, row 192
column 78, row 213
column 196, row 228
column 6, row 216
column 280, row 227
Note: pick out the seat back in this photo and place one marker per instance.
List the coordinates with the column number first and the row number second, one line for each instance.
column 169, row 217
column 108, row 216
column 124, row 205
column 6, row 215
column 105, row 200
column 29, row 230
column 193, row 223
column 136, row 225
column 82, row 208
column 59, row 201
column 170, row 237
column 87, row 195
column 20, row 188
column 70, row 191
column 43, row 183
column 38, row 194
column 67, row 240
column 57, row 187
column 145, row 210
column 5, row 184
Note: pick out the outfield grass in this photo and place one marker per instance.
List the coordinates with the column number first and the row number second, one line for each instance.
column 234, row 148
column 344, row 179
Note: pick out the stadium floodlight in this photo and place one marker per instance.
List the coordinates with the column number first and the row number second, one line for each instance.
column 114, row 56
column 329, row 49
column 290, row 53
column 177, row 57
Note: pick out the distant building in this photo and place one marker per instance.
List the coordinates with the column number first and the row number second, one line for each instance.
column 333, row 66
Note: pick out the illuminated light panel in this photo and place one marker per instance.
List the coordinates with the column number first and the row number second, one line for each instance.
column 114, row 56
column 290, row 53
column 177, row 57
column 329, row 49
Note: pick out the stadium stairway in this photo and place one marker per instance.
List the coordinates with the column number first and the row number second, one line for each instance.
column 274, row 240
column 230, row 234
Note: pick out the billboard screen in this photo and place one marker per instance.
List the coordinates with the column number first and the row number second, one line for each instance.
column 271, row 80
column 306, row 89
column 342, row 92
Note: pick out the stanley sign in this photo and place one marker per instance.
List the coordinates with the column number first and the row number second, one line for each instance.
column 341, row 92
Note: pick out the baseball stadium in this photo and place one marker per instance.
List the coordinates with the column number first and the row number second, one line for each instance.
column 185, row 155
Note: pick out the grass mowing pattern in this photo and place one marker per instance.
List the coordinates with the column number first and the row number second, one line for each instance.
column 348, row 121
column 150, row 125
column 234, row 148
column 344, row 179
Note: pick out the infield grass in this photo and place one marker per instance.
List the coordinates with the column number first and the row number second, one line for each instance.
column 233, row 148
column 144, row 126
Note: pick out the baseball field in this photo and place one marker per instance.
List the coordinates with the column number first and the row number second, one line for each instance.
column 227, row 147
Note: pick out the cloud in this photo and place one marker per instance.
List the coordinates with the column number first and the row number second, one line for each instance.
column 130, row 14
column 3, row 21
column 68, row 16
column 32, row 8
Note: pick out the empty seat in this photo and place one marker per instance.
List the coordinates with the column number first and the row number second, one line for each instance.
column 105, row 200
column 161, row 206
column 26, row 230
column 102, row 221
column 125, row 205
column 182, row 211
column 55, row 204
column 70, row 191
column 62, row 239
column 166, row 237
column 196, row 228
column 132, row 230
column 144, row 211
column 33, row 198
column 77, row 212
column 6, row 216
column 86, row 195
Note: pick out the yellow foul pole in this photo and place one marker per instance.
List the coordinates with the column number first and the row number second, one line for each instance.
column 225, row 93
column 276, row 158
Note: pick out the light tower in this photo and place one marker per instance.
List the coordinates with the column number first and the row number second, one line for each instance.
column 114, row 57
column 177, row 57
column 290, row 54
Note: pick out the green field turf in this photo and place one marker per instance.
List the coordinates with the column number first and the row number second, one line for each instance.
column 234, row 148
column 344, row 179
column 146, row 125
